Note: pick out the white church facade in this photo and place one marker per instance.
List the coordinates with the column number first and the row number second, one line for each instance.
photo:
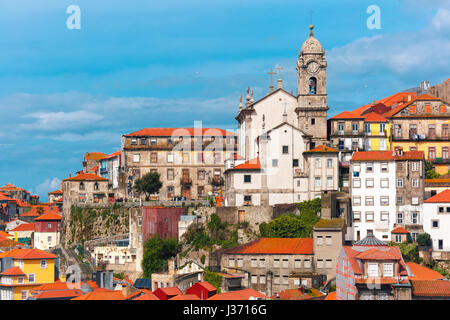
column 282, row 153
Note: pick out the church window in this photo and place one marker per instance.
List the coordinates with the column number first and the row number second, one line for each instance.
column 313, row 121
column 285, row 149
column 247, row 178
column 312, row 85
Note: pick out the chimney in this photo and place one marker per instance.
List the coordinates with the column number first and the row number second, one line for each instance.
column 409, row 97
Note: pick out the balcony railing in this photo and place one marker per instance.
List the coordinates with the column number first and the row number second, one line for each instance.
column 441, row 160
column 420, row 137
column 348, row 133
column 186, row 181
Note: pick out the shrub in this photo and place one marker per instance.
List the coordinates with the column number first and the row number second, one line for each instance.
column 424, row 239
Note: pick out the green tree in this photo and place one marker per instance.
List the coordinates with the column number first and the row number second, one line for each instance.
column 424, row 239
column 410, row 251
column 156, row 253
column 310, row 206
column 213, row 278
column 148, row 184
column 429, row 171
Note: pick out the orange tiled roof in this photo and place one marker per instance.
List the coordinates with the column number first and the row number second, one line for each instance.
column 9, row 243
column 14, row 271
column 296, row 294
column 114, row 154
column 275, row 246
column 323, row 148
column 400, row 230
column 206, row 285
column 441, row 197
column 86, row 177
column 68, row 293
column 376, row 280
column 185, row 297
column 244, row 294
column 25, row 254
column 423, row 273
column 171, row 291
column 49, row 216
column 252, row 164
column 372, row 155
column 376, row 254
column 374, row 117
column 24, row 227
column 4, row 234
column 101, row 294
column 432, row 181
column 431, row 288
column 180, row 132
column 56, row 192
column 386, row 155
column 147, row 296
column 4, row 197
column 94, row 155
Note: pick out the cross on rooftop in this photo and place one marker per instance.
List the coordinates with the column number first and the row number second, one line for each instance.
column 271, row 78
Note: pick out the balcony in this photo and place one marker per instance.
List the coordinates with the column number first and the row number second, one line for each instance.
column 441, row 160
column 186, row 181
column 347, row 133
column 413, row 136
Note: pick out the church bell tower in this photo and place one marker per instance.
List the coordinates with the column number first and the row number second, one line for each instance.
column 312, row 90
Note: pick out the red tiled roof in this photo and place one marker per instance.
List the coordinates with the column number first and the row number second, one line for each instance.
column 9, row 243
column 439, row 180
column 372, row 155
column 147, row 296
column 94, row 155
column 376, row 280
column 21, row 203
column 185, row 297
column 386, row 155
column 252, row 164
column 374, row 117
column 431, row 288
column 56, row 192
column 376, row 254
column 297, row 294
column 244, row 294
column 275, row 246
column 4, row 197
column 441, row 197
column 101, row 294
column 180, row 132
column 69, row 293
column 323, row 148
column 5, row 234
column 171, row 291
column 114, row 154
column 400, row 230
column 24, row 227
column 423, row 273
column 14, row 271
column 348, row 115
column 86, row 177
column 24, row 254
column 49, row 216
column 206, row 285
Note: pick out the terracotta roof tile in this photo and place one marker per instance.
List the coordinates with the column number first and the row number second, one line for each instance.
column 24, row 254
column 102, row 294
column 14, row 271
column 69, row 293
column 431, row 288
column 94, row 155
column 252, row 164
column 86, row 177
column 24, row 227
column 275, row 246
column 185, row 297
column 49, row 216
column 423, row 273
column 400, row 230
column 374, row 117
column 441, row 197
column 323, row 148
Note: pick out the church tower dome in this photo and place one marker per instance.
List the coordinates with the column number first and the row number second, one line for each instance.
column 311, row 45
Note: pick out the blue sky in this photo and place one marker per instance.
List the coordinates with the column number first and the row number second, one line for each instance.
column 141, row 63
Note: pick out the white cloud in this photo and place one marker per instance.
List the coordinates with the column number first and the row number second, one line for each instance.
column 47, row 186
column 399, row 53
column 62, row 120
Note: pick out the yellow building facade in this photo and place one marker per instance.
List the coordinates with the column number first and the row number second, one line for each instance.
column 26, row 269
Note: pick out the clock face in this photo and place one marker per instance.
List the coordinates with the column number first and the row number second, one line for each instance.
column 313, row 67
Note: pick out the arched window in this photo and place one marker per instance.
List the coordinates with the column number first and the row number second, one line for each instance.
column 81, row 186
column 312, row 85
column 96, row 186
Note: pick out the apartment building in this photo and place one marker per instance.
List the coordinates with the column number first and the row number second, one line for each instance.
column 370, row 270
column 267, row 263
column 190, row 161
column 437, row 221
column 386, row 192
